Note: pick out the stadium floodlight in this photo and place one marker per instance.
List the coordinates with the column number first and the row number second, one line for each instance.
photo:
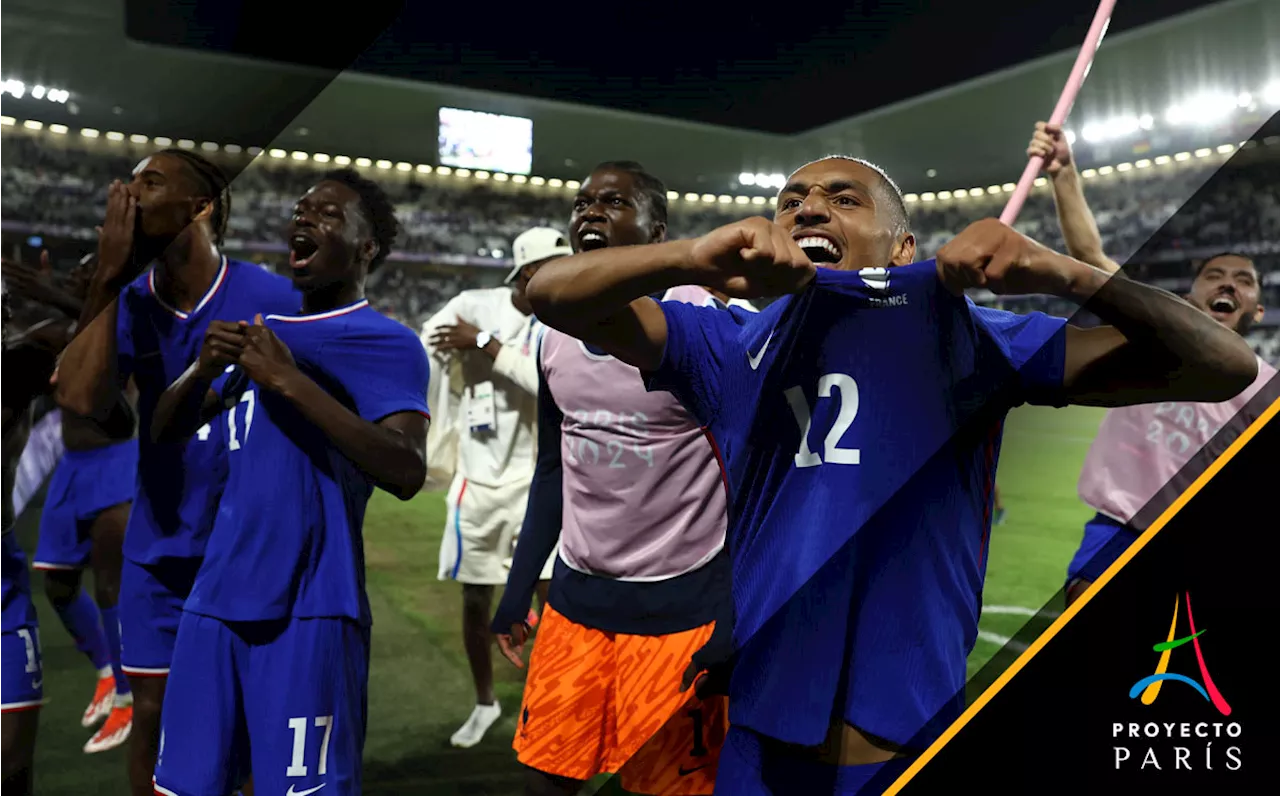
column 1146, row 121
column 501, row 176
column 58, row 129
column 944, row 195
column 342, row 160
column 1009, row 187
column 708, row 197
column 747, row 178
column 299, row 156
column 1142, row 164
column 8, row 121
column 114, row 136
column 1110, row 129
column 1203, row 152
column 138, row 138
column 672, row 196
column 555, row 182
column 481, row 175
column 1206, row 108
column 928, row 196
column 383, row 164
column 537, row 181
column 573, row 185
column 975, row 192
column 1271, row 93
column 254, row 151
column 691, row 197
column 1105, row 170
column 277, row 153
column 186, row 143
column 211, row 146
column 320, row 157
column 724, row 200
column 445, row 170
column 1124, row 166
column 14, row 87
column 993, row 189
column 32, row 124
column 424, row 168
column 520, row 178
column 161, row 140
column 37, row 92
column 462, row 173
column 741, row 200
column 758, row 200
column 1226, row 149
column 89, row 132
column 1181, row 156
column 911, row 198
column 402, row 166
column 365, row 163
column 1089, row 174
column 1040, row 182
column 1163, row 159
column 59, row 96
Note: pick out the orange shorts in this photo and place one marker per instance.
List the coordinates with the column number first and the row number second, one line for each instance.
column 599, row 702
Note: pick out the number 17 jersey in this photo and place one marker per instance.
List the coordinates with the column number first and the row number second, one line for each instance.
column 860, row 424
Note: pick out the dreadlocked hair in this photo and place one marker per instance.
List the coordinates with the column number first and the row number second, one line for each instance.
column 378, row 210
column 213, row 182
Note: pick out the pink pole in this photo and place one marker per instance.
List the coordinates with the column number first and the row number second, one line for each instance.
column 1068, row 98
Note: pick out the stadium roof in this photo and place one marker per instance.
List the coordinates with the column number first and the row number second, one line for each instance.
column 966, row 134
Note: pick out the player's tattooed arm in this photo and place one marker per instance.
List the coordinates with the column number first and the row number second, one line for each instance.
column 601, row 296
column 1157, row 347
column 393, row 451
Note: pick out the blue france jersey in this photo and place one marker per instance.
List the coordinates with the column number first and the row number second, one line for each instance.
column 179, row 483
column 288, row 538
column 860, row 423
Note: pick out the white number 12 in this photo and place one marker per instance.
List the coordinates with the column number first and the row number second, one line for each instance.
column 246, row 398
column 848, row 390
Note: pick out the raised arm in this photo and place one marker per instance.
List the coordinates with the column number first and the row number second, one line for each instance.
column 88, row 380
column 1079, row 229
column 1156, row 348
column 601, row 297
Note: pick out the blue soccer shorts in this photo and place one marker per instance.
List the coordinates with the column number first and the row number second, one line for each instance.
column 288, row 696
column 151, row 599
column 21, row 669
column 84, row 484
column 1104, row 541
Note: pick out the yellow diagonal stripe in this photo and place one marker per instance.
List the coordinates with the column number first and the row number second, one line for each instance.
column 1088, row 595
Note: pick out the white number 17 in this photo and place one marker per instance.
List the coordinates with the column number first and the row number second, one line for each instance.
column 848, row 390
column 246, row 398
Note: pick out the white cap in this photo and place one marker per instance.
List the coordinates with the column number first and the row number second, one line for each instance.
column 539, row 243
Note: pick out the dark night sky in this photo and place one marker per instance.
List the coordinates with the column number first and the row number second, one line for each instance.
column 775, row 69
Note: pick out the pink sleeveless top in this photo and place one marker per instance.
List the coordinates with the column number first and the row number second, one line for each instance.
column 1141, row 448
column 644, row 495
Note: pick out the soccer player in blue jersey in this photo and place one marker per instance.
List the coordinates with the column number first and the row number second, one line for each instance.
column 28, row 363
column 860, row 420
column 166, row 223
column 320, row 407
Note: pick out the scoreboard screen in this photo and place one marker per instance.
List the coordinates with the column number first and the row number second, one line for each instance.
column 487, row 141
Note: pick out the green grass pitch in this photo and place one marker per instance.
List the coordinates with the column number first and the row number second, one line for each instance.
column 420, row 689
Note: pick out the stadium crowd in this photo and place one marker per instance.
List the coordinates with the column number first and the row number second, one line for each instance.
column 57, row 190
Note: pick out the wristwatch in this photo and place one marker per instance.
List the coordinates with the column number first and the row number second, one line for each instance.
column 482, row 339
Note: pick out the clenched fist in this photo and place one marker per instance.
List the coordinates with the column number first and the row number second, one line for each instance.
column 752, row 258
column 265, row 358
column 1050, row 142
column 993, row 255
column 223, row 343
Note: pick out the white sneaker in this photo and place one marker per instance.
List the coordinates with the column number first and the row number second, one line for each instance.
column 472, row 732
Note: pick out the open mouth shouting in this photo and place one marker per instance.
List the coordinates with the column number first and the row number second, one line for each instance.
column 591, row 238
column 1223, row 305
column 302, row 250
column 819, row 248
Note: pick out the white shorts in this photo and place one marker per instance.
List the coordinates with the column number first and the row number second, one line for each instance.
column 480, row 532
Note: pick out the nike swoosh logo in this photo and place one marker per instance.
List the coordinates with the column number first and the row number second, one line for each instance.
column 754, row 361
column 684, row 772
column 293, row 792
column 37, row 683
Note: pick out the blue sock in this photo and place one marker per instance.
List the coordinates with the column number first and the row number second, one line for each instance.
column 81, row 619
column 111, row 626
